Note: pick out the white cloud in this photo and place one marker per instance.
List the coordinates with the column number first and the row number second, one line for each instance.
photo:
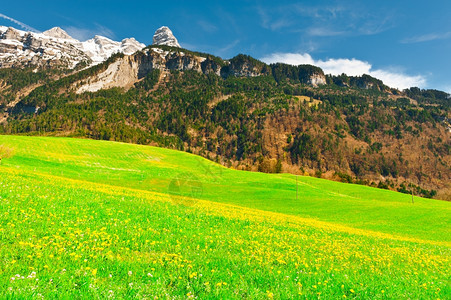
column 399, row 80
column 351, row 67
column 289, row 58
column 23, row 25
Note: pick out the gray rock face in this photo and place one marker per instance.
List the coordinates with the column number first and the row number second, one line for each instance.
column 164, row 36
column 11, row 34
column 317, row 79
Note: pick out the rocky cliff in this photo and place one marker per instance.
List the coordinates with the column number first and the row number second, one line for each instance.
column 127, row 70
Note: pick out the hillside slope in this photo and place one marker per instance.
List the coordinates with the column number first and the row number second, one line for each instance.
column 76, row 221
column 177, row 173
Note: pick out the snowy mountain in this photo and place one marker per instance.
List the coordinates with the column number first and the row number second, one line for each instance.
column 164, row 36
column 100, row 48
column 55, row 47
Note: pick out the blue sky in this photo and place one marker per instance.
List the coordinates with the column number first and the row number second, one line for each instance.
column 405, row 43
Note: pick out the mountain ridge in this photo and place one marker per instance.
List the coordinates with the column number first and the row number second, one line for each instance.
column 56, row 48
column 30, row 49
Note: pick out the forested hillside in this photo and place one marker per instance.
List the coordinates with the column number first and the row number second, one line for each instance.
column 352, row 129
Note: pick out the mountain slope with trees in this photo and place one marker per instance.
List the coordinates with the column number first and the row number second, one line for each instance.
column 249, row 115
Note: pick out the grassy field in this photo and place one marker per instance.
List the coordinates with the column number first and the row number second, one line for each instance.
column 94, row 219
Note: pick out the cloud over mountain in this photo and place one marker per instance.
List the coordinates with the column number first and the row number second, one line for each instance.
column 351, row 67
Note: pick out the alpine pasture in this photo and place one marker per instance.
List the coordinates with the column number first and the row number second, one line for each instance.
column 96, row 219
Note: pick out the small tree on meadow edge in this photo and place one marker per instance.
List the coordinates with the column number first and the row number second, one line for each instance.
column 5, row 152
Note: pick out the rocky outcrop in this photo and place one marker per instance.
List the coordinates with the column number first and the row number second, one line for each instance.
column 311, row 75
column 164, row 36
column 367, row 82
column 121, row 73
column 10, row 34
column 317, row 79
column 244, row 66
column 209, row 66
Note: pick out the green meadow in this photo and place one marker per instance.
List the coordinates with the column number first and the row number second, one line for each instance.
column 97, row 219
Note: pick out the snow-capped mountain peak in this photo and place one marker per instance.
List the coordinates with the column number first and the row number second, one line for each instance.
column 57, row 32
column 164, row 36
column 130, row 46
column 100, row 48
